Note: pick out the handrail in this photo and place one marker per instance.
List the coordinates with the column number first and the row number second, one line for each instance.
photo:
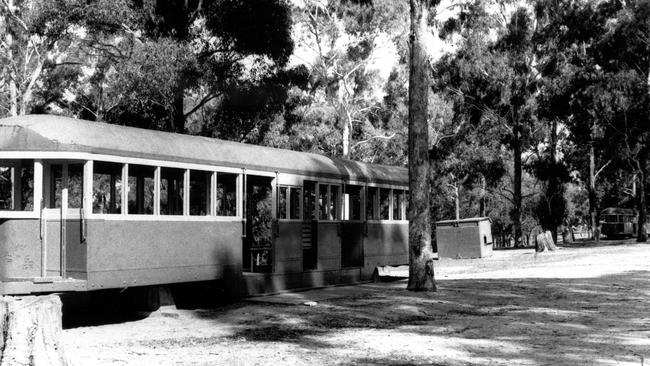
column 243, row 200
column 82, row 226
column 41, row 222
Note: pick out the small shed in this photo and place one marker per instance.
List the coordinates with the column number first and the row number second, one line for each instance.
column 466, row 238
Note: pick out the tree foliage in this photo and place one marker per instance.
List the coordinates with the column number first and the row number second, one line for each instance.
column 535, row 106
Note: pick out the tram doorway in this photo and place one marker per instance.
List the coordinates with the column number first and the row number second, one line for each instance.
column 310, row 228
column 260, row 223
column 63, row 254
column 352, row 227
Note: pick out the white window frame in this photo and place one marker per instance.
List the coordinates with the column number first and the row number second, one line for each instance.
column 345, row 205
column 37, row 191
column 377, row 202
column 156, row 216
column 289, row 205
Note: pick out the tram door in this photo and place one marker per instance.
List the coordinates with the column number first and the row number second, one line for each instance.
column 352, row 227
column 62, row 252
column 309, row 227
column 260, row 223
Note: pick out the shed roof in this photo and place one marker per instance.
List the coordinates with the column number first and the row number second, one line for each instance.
column 467, row 220
column 56, row 133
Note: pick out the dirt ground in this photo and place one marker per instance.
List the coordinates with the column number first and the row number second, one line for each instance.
column 580, row 305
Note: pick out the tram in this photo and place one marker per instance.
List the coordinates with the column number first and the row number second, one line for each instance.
column 87, row 206
column 618, row 222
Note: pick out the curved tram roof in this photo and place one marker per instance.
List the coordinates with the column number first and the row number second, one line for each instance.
column 63, row 134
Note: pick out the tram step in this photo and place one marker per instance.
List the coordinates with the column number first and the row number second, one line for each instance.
column 27, row 285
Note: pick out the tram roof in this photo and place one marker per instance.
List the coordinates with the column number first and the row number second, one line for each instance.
column 64, row 134
column 617, row 211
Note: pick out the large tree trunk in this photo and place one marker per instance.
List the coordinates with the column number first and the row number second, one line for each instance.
column 482, row 208
column 516, row 210
column 27, row 96
column 642, row 235
column 592, row 194
column 457, row 194
column 178, row 117
column 555, row 188
column 420, row 250
column 13, row 88
column 554, row 184
column 346, row 139
column 30, row 331
column 345, row 119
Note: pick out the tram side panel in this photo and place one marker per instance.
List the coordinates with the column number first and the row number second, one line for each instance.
column 139, row 253
column 385, row 244
column 329, row 246
column 20, row 249
column 288, row 248
column 76, row 254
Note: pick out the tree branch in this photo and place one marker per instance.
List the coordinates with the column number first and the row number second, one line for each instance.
column 201, row 103
column 372, row 138
column 602, row 168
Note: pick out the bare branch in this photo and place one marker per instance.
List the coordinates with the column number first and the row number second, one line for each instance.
column 372, row 138
column 201, row 103
column 602, row 168
column 14, row 16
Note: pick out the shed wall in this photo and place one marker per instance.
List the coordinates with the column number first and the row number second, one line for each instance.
column 469, row 239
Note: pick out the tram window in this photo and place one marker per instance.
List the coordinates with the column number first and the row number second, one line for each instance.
column 56, row 173
column 141, row 189
column 75, row 185
column 27, row 185
column 371, row 203
column 171, row 191
column 398, row 197
column 6, row 188
column 294, row 203
column 226, row 194
column 406, row 205
column 289, row 202
column 352, row 203
column 384, row 203
column 322, row 202
column 334, row 203
column 200, row 192
column 309, row 201
column 17, row 185
column 282, row 214
column 107, row 188
column 328, row 202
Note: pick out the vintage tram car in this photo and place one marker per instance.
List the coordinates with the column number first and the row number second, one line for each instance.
column 616, row 222
column 87, row 206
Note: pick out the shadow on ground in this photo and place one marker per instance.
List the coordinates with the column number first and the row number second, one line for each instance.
column 536, row 321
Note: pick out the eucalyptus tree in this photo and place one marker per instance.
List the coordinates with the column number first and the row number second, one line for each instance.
column 566, row 50
column 349, row 49
column 43, row 45
column 624, row 55
column 421, row 274
column 595, row 58
column 493, row 79
column 184, row 59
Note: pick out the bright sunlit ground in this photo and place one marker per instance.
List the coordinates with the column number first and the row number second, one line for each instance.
column 581, row 305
